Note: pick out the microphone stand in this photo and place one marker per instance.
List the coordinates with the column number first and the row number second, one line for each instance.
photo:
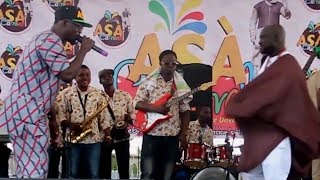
column 67, row 142
column 229, row 151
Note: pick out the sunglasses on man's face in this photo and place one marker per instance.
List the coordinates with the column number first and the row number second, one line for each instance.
column 174, row 63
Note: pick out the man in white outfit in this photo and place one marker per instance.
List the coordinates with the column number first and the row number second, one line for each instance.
column 276, row 116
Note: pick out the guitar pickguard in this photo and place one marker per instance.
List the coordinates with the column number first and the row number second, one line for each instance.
column 153, row 117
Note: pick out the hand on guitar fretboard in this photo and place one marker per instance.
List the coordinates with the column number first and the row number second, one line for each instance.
column 305, row 69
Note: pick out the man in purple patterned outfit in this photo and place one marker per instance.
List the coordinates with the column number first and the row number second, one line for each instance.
column 35, row 84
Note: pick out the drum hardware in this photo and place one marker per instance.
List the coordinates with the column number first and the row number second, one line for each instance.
column 214, row 173
column 229, row 152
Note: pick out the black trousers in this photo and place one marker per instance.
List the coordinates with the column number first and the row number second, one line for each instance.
column 158, row 156
column 123, row 157
column 54, row 161
column 4, row 157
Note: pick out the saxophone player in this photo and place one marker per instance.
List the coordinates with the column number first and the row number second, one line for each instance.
column 82, row 109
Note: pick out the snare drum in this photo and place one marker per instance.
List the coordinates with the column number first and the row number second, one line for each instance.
column 196, row 156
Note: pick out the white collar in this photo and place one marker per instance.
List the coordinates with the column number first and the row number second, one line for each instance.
column 271, row 3
column 269, row 61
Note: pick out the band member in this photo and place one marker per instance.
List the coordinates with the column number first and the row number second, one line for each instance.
column 82, row 108
column 4, row 160
column 160, row 146
column 314, row 90
column 120, row 111
column 55, row 151
column 199, row 131
column 265, row 13
column 4, row 154
column 35, row 84
column 275, row 111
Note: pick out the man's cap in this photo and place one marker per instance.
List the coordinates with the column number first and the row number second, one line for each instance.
column 72, row 13
column 106, row 71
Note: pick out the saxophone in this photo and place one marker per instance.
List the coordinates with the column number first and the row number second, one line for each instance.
column 86, row 125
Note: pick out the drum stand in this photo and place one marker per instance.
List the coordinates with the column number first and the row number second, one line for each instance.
column 67, row 143
column 229, row 149
column 66, row 162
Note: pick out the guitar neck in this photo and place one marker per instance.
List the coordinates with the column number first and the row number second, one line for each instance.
column 308, row 64
column 178, row 99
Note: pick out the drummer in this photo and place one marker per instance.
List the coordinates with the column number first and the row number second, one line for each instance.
column 199, row 131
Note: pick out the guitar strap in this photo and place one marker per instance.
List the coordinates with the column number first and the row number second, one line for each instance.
column 111, row 112
column 83, row 104
column 173, row 87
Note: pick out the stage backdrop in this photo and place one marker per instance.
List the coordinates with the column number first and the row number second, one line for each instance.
column 219, row 33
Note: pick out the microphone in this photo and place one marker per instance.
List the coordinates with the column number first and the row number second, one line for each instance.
column 226, row 140
column 94, row 47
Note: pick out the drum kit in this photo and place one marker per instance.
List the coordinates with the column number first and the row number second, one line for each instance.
column 203, row 162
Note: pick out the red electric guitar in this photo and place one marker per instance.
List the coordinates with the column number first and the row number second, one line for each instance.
column 145, row 121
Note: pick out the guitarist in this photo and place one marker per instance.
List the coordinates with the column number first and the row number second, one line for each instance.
column 314, row 91
column 160, row 146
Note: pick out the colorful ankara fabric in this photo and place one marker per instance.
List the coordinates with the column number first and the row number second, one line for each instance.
column 196, row 132
column 34, row 88
column 146, row 94
column 69, row 99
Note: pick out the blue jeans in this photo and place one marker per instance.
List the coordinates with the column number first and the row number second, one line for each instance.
column 158, row 156
column 87, row 156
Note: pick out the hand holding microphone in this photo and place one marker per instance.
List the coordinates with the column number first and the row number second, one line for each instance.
column 87, row 44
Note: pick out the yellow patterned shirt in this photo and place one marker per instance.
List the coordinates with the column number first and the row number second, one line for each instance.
column 169, row 127
column 121, row 104
column 313, row 84
column 195, row 131
column 69, row 107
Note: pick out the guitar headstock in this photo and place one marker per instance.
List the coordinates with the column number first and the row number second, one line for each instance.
column 205, row 86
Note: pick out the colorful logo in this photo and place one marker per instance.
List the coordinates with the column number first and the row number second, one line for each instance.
column 53, row 4
column 184, row 20
column 310, row 38
column 15, row 15
column 71, row 50
column 312, row 4
column 187, row 20
column 9, row 59
column 113, row 29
